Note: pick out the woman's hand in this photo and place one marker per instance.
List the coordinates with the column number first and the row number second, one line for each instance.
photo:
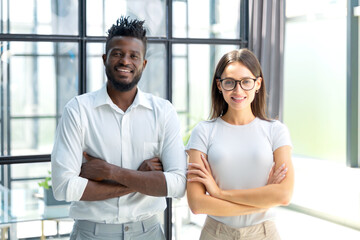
column 276, row 177
column 202, row 174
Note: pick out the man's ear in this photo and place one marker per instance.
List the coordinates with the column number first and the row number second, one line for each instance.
column 144, row 63
column 104, row 58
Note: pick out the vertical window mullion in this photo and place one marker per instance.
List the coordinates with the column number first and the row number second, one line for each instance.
column 82, row 47
column 8, row 109
column 244, row 23
column 2, row 108
column 169, row 35
column 352, row 101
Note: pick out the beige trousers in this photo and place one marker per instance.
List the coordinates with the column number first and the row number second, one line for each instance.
column 214, row 230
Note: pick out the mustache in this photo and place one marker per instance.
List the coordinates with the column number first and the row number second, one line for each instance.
column 124, row 65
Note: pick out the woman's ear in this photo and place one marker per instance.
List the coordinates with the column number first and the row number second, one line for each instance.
column 218, row 84
column 258, row 83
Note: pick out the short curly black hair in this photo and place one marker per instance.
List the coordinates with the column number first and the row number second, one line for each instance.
column 127, row 28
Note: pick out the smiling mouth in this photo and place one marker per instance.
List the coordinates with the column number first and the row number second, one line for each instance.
column 123, row 70
column 238, row 98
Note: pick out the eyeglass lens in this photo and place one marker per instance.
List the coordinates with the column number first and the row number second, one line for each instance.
column 230, row 84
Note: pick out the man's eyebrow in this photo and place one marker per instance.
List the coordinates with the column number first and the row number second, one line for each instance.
column 135, row 51
column 120, row 49
column 115, row 49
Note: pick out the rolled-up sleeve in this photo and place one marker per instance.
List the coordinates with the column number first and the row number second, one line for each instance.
column 66, row 157
column 173, row 155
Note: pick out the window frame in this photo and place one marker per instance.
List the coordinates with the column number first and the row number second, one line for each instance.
column 352, row 91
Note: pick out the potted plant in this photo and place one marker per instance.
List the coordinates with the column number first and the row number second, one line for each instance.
column 48, row 192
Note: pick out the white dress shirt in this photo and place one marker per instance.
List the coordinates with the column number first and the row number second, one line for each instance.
column 94, row 124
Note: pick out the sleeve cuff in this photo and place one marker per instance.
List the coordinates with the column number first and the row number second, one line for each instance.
column 75, row 189
column 175, row 184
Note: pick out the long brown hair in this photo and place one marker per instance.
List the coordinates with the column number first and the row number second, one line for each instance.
column 249, row 60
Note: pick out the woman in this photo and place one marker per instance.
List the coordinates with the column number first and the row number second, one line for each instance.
column 231, row 155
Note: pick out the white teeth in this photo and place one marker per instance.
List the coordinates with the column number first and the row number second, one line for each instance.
column 123, row 70
column 241, row 98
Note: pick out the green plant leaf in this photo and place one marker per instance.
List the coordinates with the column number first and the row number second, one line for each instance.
column 45, row 183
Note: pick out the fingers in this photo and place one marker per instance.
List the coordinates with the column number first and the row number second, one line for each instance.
column 281, row 176
column 278, row 176
column 86, row 156
column 197, row 172
column 198, row 166
column 197, row 179
column 154, row 160
column 280, row 179
column 279, row 170
column 89, row 157
column 158, row 167
column 152, row 164
column 271, row 173
column 156, row 164
column 206, row 164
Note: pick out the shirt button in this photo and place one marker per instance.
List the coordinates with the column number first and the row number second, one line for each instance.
column 126, row 228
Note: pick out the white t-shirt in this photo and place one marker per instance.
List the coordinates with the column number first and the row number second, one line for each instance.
column 240, row 157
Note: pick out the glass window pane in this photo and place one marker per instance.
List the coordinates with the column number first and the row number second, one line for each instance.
column 216, row 19
column 22, row 195
column 186, row 225
column 40, row 17
column 21, row 171
column 39, row 79
column 322, row 135
column 102, row 14
column 32, row 136
column 153, row 79
column 95, row 67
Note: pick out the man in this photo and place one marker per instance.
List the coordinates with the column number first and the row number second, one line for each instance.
column 102, row 141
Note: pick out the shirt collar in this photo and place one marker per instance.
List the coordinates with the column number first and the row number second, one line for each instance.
column 103, row 98
column 141, row 99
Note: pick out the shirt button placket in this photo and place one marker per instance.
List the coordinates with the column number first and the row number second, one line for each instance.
column 124, row 139
column 120, row 120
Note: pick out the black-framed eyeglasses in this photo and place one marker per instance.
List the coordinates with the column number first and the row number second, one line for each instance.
column 229, row 84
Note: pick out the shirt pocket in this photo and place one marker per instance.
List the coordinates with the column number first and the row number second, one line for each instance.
column 151, row 150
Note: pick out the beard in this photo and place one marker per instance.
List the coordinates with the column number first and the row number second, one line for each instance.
column 121, row 86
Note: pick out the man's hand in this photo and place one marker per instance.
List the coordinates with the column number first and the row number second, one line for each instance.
column 95, row 169
column 153, row 164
